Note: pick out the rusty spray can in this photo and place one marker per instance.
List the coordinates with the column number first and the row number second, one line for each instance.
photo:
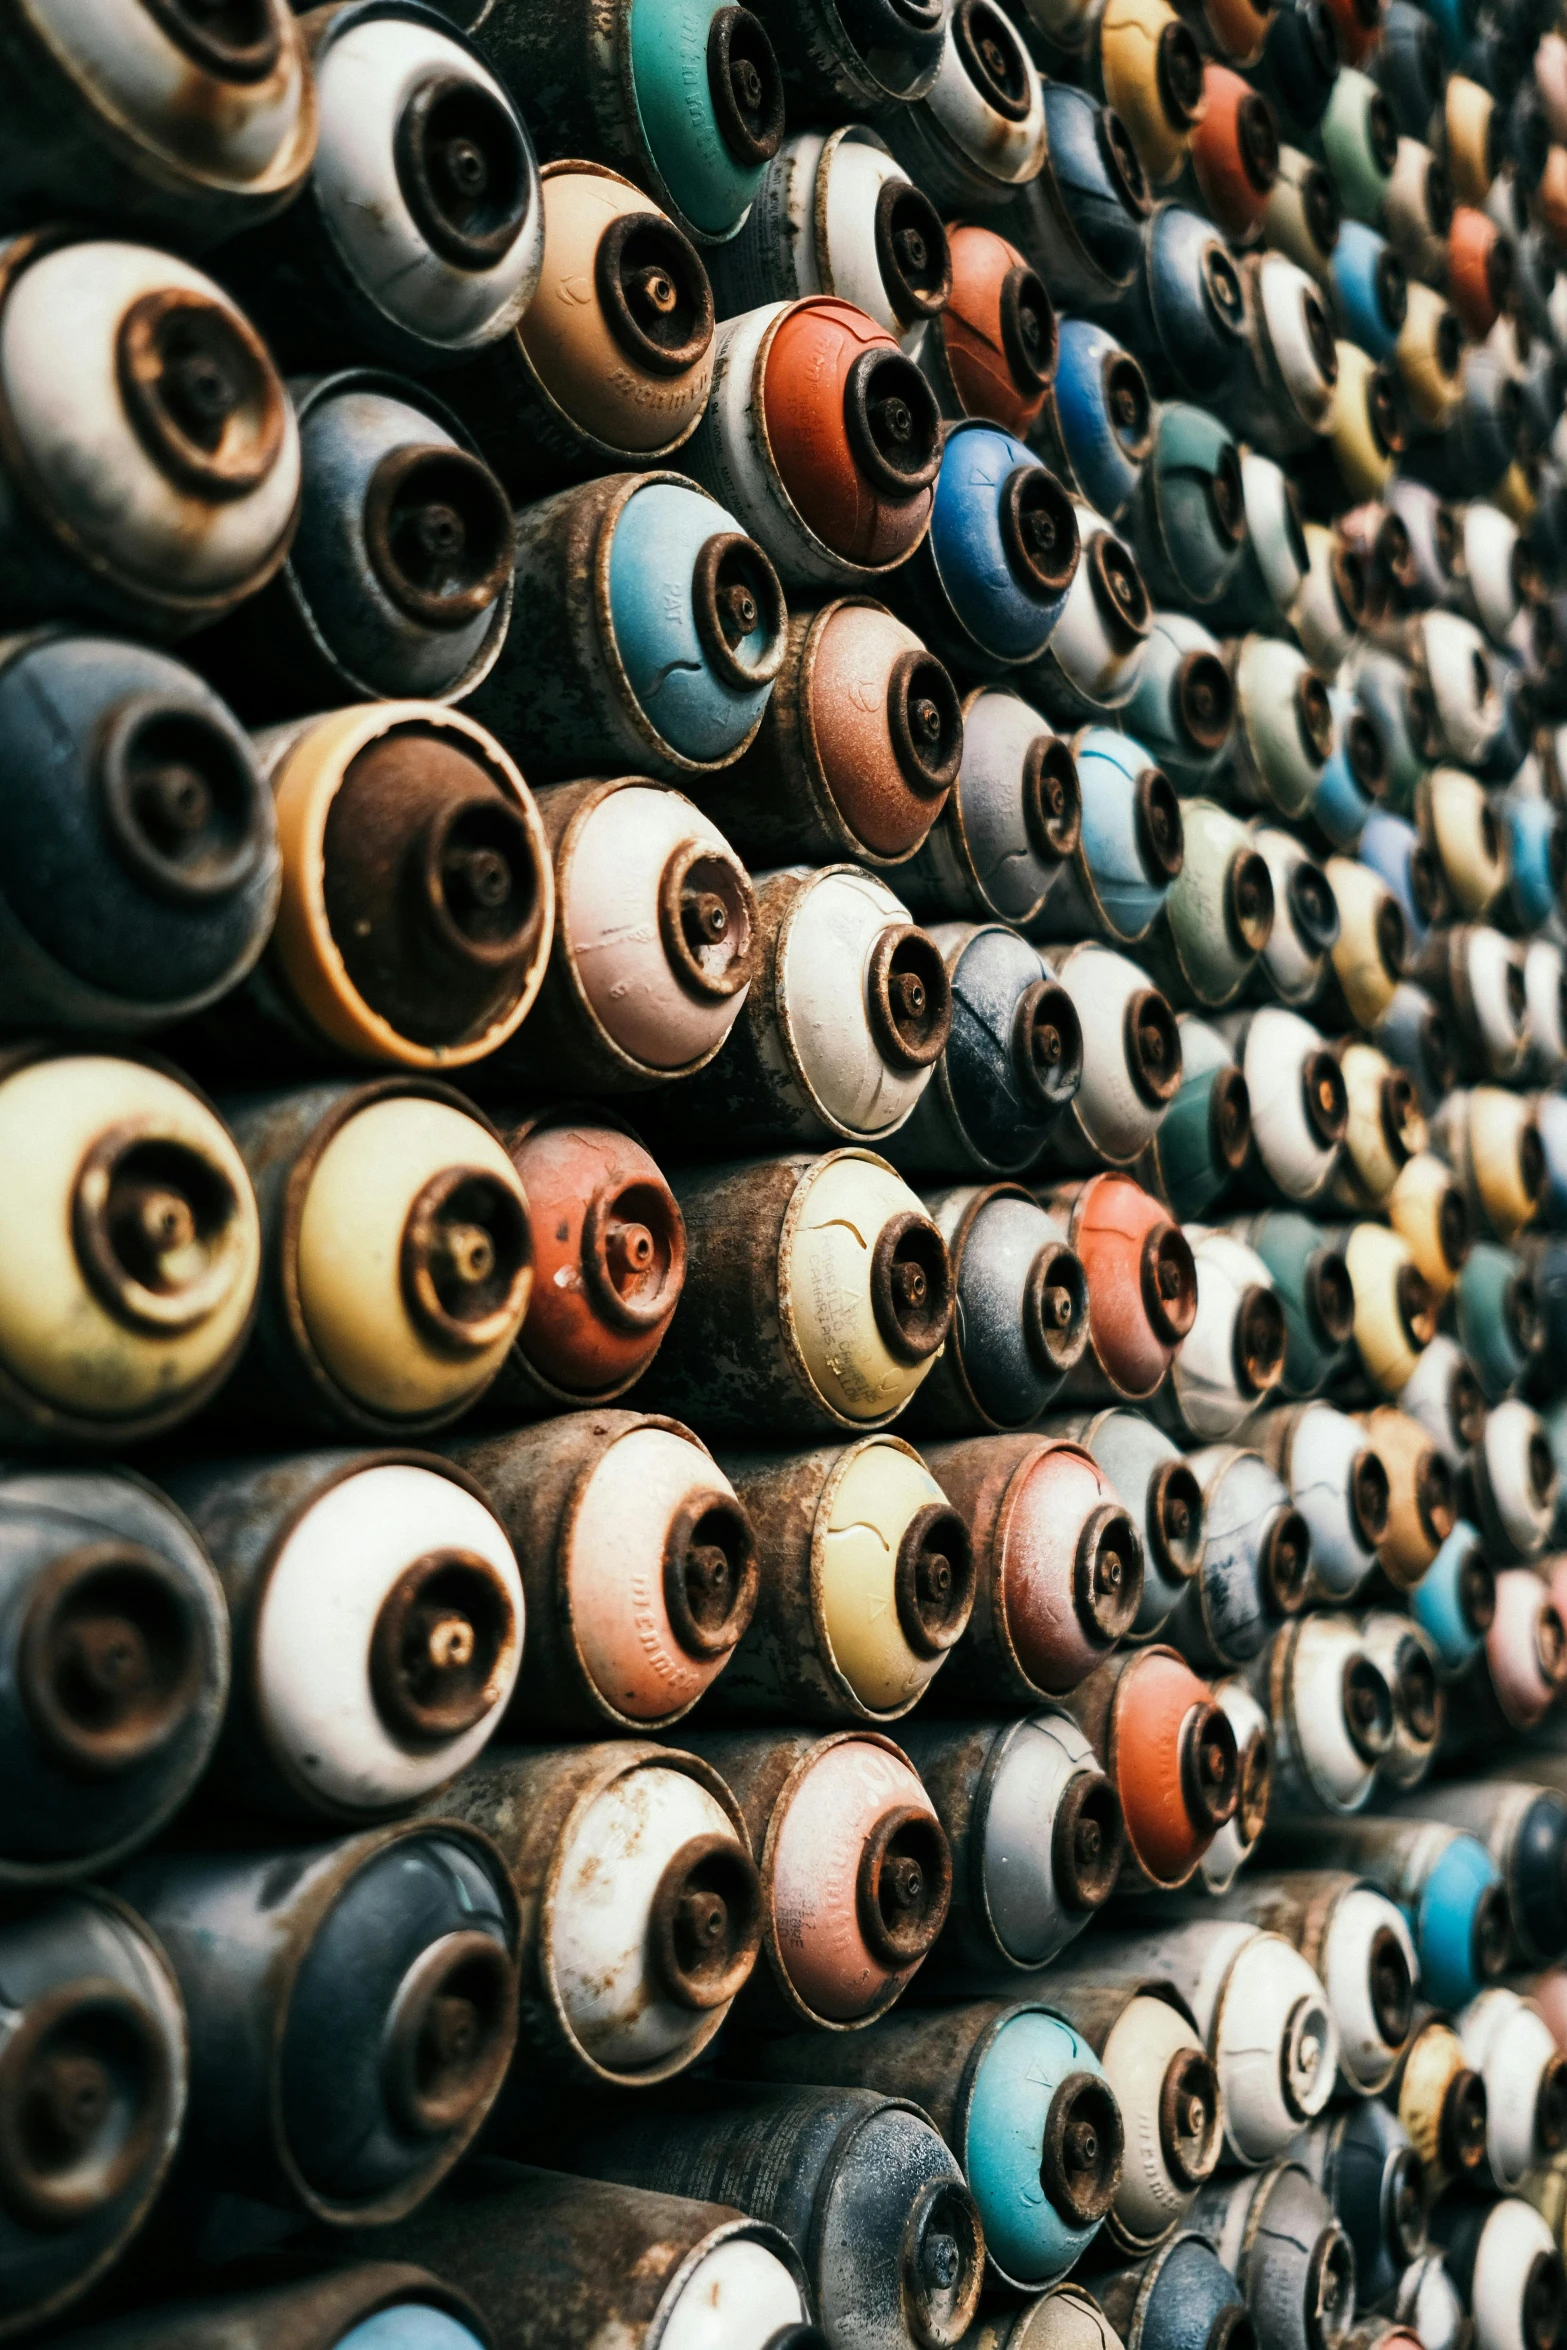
column 841, row 1026
column 126, row 771
column 1255, row 1569
column 1421, row 1503
column 823, row 438
column 1181, row 2297
column 95, row 2097
column 835, row 214
column 1131, row 1063
column 399, row 577
column 653, row 2265
column 1142, row 1285
column 609, row 367
column 1233, row 1355
column 135, row 1245
column 1339, row 1483
column 1332, row 1716
column 1236, row 1841
column 361, row 2303
column 1410, row 1666
column 1017, row 2092
column 640, row 1905
column 609, row 1259
column 978, row 133
column 646, row 632
column 1011, row 1062
column 1169, row 1750
column 352, row 2010
column 418, row 901
column 638, row 1561
column 859, row 747
column 1034, row 1829
column 419, row 234
column 861, row 2185
column 1363, row 2161
column 1507, row 2267
column 1311, row 1282
column 656, row 941
column 171, row 128
column 1164, row 2082
column 378, row 1626
column 118, row 1667
column 1261, row 2013
column 1058, row 1565
column 1158, row 1487
column 866, row 1580
column 1445, row 1882
column 1523, row 1825
column 397, row 1258
column 1275, row 2231
column 1206, row 1134
column 202, row 517
column 855, row 1869
column 1513, row 2049
column 1359, row 1943
column 837, row 1330
column 1021, row 1317
column 1003, row 842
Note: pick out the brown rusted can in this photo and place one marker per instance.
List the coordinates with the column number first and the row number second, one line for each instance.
column 818, row 1294
column 855, row 1867
column 304, row 2313
column 418, row 902
column 558, row 2263
column 865, row 1587
column 638, row 1563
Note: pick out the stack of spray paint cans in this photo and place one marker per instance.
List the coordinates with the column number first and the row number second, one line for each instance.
column 783, row 1096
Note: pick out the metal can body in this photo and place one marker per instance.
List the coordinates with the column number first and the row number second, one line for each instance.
column 106, row 1339
column 855, row 1868
column 81, row 1974
column 397, row 1258
column 866, row 1581
column 154, row 925
column 816, row 1296
column 1035, row 1831
column 638, row 1561
column 292, row 1995
column 861, row 2185
column 93, row 1555
column 1001, row 2083
column 600, row 1846
column 378, row 1625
